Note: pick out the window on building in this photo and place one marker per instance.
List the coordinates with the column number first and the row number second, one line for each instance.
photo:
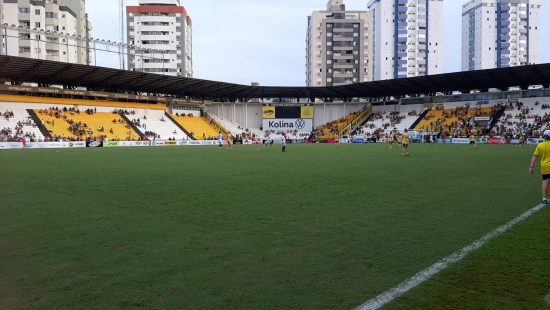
column 36, row 12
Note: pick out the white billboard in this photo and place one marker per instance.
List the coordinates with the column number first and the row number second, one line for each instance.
column 280, row 124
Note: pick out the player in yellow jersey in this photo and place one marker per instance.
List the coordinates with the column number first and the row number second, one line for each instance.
column 522, row 140
column 542, row 153
column 391, row 139
column 229, row 142
column 405, row 143
column 473, row 141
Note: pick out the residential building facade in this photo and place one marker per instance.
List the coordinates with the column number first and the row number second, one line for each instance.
column 161, row 31
column 408, row 37
column 499, row 34
column 56, row 30
column 338, row 46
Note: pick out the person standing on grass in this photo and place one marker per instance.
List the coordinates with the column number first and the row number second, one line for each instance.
column 229, row 142
column 405, row 143
column 391, row 140
column 283, row 142
column 473, row 141
column 220, row 139
column 542, row 153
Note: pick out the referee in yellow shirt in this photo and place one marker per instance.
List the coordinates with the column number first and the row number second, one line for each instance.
column 542, row 153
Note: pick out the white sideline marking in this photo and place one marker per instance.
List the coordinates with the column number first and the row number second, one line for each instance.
column 405, row 286
column 547, row 299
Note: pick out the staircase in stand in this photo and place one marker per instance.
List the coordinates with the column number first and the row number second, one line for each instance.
column 357, row 122
column 180, row 126
column 39, row 124
column 496, row 118
column 133, row 126
column 419, row 119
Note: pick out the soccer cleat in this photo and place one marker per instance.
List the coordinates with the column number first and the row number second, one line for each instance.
column 545, row 201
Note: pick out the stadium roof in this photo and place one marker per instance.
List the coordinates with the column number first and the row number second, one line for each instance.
column 45, row 72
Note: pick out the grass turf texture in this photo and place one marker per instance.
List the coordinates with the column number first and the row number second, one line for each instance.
column 320, row 227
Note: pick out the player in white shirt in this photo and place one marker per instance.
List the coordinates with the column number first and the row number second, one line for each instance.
column 220, row 139
column 283, row 142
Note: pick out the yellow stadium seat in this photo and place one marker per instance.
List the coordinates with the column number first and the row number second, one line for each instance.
column 201, row 128
column 115, row 127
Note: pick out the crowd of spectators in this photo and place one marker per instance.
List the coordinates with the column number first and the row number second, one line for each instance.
column 17, row 133
column 462, row 121
column 8, row 114
column 512, row 119
column 389, row 120
column 333, row 129
column 185, row 115
column 81, row 130
column 521, row 121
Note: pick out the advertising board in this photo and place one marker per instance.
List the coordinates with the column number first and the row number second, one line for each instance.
column 280, row 124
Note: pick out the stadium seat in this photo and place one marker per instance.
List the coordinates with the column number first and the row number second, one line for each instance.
column 448, row 121
column 114, row 126
column 201, row 128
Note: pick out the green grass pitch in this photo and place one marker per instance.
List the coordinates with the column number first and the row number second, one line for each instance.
column 319, row 227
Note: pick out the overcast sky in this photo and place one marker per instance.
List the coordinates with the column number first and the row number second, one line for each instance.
column 242, row 41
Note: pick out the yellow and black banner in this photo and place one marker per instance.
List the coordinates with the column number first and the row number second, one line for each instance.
column 268, row 112
column 307, row 112
column 288, row 112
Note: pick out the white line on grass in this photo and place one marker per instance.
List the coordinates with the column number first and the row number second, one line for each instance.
column 547, row 299
column 419, row 278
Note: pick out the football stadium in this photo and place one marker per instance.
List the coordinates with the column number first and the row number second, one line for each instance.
column 117, row 191
column 383, row 184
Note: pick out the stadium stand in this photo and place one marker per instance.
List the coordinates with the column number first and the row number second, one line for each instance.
column 332, row 130
column 199, row 128
column 73, row 124
column 145, row 119
column 16, row 123
column 381, row 122
column 526, row 117
column 511, row 118
column 155, row 124
column 457, row 122
column 387, row 118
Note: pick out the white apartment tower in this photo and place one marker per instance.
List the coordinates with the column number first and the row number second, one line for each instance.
column 56, row 30
column 408, row 37
column 161, row 32
column 338, row 46
column 499, row 34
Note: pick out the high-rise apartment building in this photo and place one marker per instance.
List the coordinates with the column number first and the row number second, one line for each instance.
column 161, row 32
column 59, row 29
column 408, row 37
column 338, row 46
column 498, row 33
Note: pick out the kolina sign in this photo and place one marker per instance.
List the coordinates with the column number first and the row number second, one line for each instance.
column 302, row 125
